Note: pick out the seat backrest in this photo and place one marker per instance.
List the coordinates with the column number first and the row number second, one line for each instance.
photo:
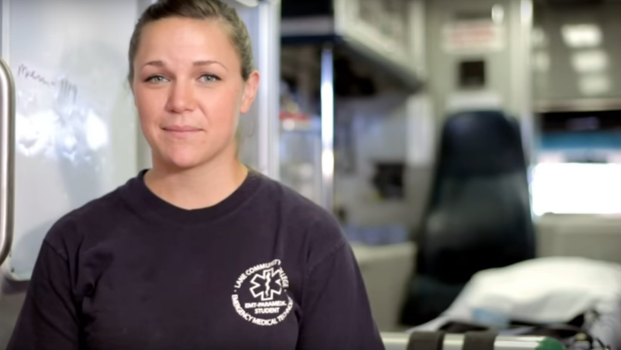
column 479, row 213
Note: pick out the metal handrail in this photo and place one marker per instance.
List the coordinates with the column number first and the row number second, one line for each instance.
column 7, row 159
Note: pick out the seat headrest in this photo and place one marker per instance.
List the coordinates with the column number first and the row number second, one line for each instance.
column 481, row 143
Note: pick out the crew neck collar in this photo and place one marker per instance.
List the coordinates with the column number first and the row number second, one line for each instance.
column 146, row 202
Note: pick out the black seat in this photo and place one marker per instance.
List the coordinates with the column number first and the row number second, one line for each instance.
column 478, row 216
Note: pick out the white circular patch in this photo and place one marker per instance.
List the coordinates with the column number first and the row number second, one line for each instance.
column 260, row 294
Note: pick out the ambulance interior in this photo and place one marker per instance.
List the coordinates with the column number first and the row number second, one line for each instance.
column 471, row 150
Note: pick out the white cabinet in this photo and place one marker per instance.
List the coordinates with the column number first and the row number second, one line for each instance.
column 392, row 29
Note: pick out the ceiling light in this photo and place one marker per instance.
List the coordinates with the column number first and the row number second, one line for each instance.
column 498, row 14
column 589, row 61
column 582, row 35
column 591, row 85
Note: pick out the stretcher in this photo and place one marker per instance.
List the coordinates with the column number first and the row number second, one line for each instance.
column 469, row 341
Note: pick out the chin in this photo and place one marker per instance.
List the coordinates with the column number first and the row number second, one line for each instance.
column 183, row 158
column 184, row 164
column 184, row 161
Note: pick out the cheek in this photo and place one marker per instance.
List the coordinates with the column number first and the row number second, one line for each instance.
column 222, row 110
column 149, row 107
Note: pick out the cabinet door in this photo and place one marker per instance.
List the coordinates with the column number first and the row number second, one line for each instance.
column 391, row 29
column 76, row 133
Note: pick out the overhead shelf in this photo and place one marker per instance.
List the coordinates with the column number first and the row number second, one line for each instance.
column 577, row 105
column 385, row 35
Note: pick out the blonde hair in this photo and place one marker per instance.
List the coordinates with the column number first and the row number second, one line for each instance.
column 197, row 9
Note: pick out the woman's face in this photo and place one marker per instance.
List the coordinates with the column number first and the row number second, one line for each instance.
column 189, row 91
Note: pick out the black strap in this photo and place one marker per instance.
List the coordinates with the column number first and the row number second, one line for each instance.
column 479, row 340
column 426, row 341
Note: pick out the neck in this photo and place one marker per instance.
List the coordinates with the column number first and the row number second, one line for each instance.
column 199, row 187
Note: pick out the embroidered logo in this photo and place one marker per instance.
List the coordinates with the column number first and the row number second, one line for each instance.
column 260, row 294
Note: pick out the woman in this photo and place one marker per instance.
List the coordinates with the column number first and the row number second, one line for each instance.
column 198, row 252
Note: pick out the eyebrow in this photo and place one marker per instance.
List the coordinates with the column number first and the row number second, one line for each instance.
column 161, row 64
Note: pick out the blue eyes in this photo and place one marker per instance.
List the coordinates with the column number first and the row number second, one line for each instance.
column 155, row 79
column 210, row 78
column 206, row 78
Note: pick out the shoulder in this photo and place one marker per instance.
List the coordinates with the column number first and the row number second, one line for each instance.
column 70, row 231
column 318, row 229
column 308, row 214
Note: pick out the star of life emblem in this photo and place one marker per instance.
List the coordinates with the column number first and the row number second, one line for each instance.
column 260, row 294
column 262, row 285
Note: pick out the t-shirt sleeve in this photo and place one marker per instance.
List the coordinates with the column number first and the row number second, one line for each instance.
column 335, row 308
column 48, row 319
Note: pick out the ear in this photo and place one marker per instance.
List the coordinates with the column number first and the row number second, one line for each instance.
column 250, row 91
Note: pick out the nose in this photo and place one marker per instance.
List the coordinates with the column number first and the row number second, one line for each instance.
column 182, row 97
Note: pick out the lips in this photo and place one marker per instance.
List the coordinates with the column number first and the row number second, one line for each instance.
column 181, row 128
column 181, row 131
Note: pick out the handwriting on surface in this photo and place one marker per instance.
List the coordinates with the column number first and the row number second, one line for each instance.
column 66, row 90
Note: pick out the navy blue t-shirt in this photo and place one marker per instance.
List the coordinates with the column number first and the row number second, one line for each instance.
column 263, row 269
